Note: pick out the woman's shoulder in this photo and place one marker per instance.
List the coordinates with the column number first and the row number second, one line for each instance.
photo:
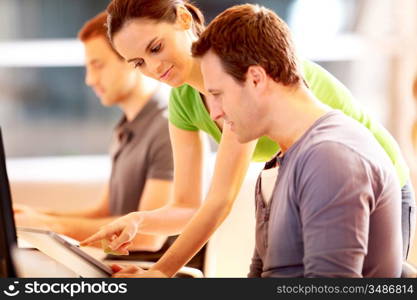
column 184, row 97
column 183, row 107
column 312, row 70
column 184, row 91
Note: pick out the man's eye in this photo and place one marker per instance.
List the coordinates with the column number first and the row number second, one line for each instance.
column 156, row 48
column 98, row 66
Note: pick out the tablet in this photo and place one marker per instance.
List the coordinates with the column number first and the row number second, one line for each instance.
column 64, row 252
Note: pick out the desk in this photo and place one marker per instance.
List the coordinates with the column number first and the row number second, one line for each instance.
column 33, row 263
column 43, row 183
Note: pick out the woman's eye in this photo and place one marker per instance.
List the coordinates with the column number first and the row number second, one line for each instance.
column 156, row 48
column 139, row 63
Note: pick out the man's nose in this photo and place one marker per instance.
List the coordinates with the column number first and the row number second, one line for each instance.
column 90, row 78
column 215, row 108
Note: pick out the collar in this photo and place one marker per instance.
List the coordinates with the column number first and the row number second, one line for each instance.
column 125, row 129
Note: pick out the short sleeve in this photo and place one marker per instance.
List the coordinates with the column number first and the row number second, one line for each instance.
column 179, row 108
column 335, row 200
column 161, row 165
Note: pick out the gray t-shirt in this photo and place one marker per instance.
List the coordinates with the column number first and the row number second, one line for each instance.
column 335, row 209
column 140, row 150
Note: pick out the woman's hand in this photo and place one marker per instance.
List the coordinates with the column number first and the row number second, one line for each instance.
column 117, row 235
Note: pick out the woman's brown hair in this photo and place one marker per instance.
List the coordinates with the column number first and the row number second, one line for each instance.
column 121, row 11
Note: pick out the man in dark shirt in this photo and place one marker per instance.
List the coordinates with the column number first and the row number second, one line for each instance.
column 142, row 163
column 335, row 208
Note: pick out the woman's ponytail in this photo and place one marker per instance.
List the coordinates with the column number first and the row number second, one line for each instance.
column 197, row 17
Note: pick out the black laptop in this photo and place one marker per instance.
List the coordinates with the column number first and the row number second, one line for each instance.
column 8, row 238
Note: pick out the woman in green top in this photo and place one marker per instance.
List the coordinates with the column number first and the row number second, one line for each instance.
column 156, row 37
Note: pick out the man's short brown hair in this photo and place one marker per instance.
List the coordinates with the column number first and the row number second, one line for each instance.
column 246, row 35
column 96, row 27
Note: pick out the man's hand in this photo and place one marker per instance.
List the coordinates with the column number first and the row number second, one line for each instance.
column 117, row 235
column 22, row 208
column 26, row 216
column 133, row 271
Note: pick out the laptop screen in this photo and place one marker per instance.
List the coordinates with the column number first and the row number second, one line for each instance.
column 8, row 238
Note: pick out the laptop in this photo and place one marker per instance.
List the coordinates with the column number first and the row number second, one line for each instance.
column 8, row 238
column 48, row 242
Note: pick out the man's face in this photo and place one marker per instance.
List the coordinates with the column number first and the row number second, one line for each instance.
column 229, row 99
column 111, row 78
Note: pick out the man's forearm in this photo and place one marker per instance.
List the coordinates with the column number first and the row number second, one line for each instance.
column 87, row 213
column 100, row 209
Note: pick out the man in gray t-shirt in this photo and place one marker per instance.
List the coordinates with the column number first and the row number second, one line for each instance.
column 334, row 210
column 140, row 151
column 335, row 207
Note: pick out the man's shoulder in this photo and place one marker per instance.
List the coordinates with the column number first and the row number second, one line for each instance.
column 157, row 124
column 327, row 151
column 152, row 123
column 339, row 140
column 337, row 130
column 350, row 156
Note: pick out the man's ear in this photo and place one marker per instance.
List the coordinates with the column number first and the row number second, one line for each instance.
column 184, row 18
column 257, row 77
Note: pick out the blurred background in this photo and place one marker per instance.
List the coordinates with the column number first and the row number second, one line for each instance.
column 47, row 112
column 370, row 45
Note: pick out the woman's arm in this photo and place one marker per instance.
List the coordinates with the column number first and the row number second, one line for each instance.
column 171, row 219
column 187, row 147
column 155, row 195
column 232, row 163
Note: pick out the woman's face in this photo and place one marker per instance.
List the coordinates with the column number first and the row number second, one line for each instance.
column 158, row 49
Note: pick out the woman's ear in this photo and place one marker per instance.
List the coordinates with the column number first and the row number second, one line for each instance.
column 184, row 18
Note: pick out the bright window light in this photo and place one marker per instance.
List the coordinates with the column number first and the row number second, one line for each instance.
column 41, row 53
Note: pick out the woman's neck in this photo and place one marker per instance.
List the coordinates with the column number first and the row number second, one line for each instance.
column 195, row 78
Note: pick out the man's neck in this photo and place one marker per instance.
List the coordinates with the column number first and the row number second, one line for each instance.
column 294, row 116
column 137, row 99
